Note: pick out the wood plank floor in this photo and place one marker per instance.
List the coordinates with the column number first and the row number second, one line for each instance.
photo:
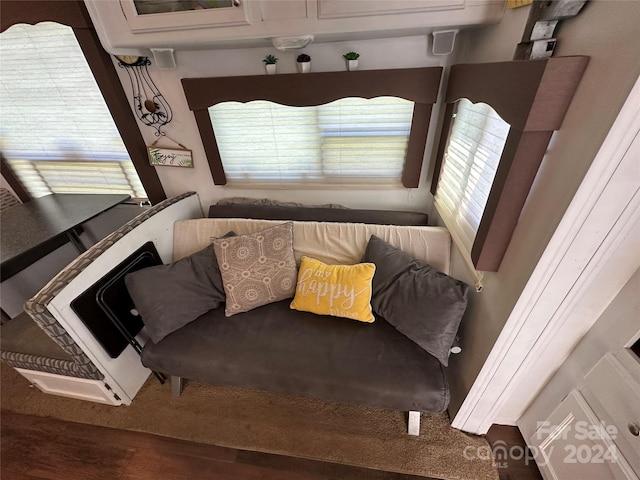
column 39, row 448
column 518, row 464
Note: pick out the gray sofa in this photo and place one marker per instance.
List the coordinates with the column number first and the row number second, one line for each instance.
column 278, row 349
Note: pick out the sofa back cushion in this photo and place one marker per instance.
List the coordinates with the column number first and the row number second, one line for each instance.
column 422, row 303
column 272, row 210
column 331, row 243
column 170, row 296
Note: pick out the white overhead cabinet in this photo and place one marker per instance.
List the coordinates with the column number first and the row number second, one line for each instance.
column 134, row 26
column 359, row 8
column 144, row 15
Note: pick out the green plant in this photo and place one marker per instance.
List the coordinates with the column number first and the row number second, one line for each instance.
column 303, row 57
column 270, row 60
column 351, row 56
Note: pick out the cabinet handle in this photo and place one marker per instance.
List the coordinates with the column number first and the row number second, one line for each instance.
column 235, row 3
column 634, row 429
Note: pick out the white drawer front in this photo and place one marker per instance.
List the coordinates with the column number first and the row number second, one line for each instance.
column 80, row 388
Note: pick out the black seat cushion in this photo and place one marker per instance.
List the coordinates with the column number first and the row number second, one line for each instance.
column 277, row 349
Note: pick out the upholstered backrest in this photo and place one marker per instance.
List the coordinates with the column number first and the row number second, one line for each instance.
column 333, row 213
column 332, row 243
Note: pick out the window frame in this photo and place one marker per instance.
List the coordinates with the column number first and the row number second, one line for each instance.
column 419, row 85
column 74, row 14
column 532, row 96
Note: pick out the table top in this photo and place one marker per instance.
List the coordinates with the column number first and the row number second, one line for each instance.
column 27, row 226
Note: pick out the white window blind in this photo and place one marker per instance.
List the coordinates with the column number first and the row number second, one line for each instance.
column 348, row 141
column 473, row 152
column 56, row 133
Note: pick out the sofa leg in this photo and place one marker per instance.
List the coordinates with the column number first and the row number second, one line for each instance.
column 414, row 423
column 176, row 385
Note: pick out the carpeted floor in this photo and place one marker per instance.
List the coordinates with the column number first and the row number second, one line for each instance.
column 266, row 422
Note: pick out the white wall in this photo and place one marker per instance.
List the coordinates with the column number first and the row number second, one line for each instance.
column 498, row 42
column 608, row 33
column 403, row 52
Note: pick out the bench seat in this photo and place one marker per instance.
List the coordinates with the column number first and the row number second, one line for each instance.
column 275, row 348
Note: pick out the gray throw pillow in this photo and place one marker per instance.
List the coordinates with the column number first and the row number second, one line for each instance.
column 258, row 268
column 422, row 303
column 168, row 297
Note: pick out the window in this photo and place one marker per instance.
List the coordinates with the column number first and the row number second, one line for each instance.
column 351, row 140
column 471, row 159
column 338, row 141
column 488, row 157
column 57, row 134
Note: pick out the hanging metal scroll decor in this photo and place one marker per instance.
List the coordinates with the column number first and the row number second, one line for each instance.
column 150, row 106
column 153, row 110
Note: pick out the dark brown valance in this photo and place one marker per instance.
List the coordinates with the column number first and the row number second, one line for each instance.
column 67, row 12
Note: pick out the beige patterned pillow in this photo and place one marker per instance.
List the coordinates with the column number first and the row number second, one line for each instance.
column 257, row 269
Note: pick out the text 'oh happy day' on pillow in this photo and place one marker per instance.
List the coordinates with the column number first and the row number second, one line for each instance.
column 337, row 290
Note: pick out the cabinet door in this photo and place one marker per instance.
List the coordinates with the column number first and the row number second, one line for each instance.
column 612, row 390
column 80, row 388
column 573, row 443
column 279, row 10
column 358, row 8
column 234, row 14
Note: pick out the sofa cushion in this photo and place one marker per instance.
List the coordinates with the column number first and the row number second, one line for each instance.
column 257, row 268
column 317, row 214
column 422, row 303
column 337, row 290
column 331, row 243
column 277, row 349
column 170, row 296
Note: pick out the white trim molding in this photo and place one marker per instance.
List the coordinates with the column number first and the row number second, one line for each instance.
column 592, row 254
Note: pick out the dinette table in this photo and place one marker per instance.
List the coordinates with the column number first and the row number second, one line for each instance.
column 33, row 229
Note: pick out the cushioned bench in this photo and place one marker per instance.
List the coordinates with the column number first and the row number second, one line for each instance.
column 276, row 348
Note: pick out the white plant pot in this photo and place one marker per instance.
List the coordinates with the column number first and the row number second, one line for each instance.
column 271, row 68
column 303, row 67
column 352, row 65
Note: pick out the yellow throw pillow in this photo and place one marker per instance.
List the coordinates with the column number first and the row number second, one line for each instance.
column 337, row 290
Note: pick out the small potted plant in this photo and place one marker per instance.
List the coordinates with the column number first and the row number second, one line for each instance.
column 270, row 64
column 352, row 60
column 303, row 63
